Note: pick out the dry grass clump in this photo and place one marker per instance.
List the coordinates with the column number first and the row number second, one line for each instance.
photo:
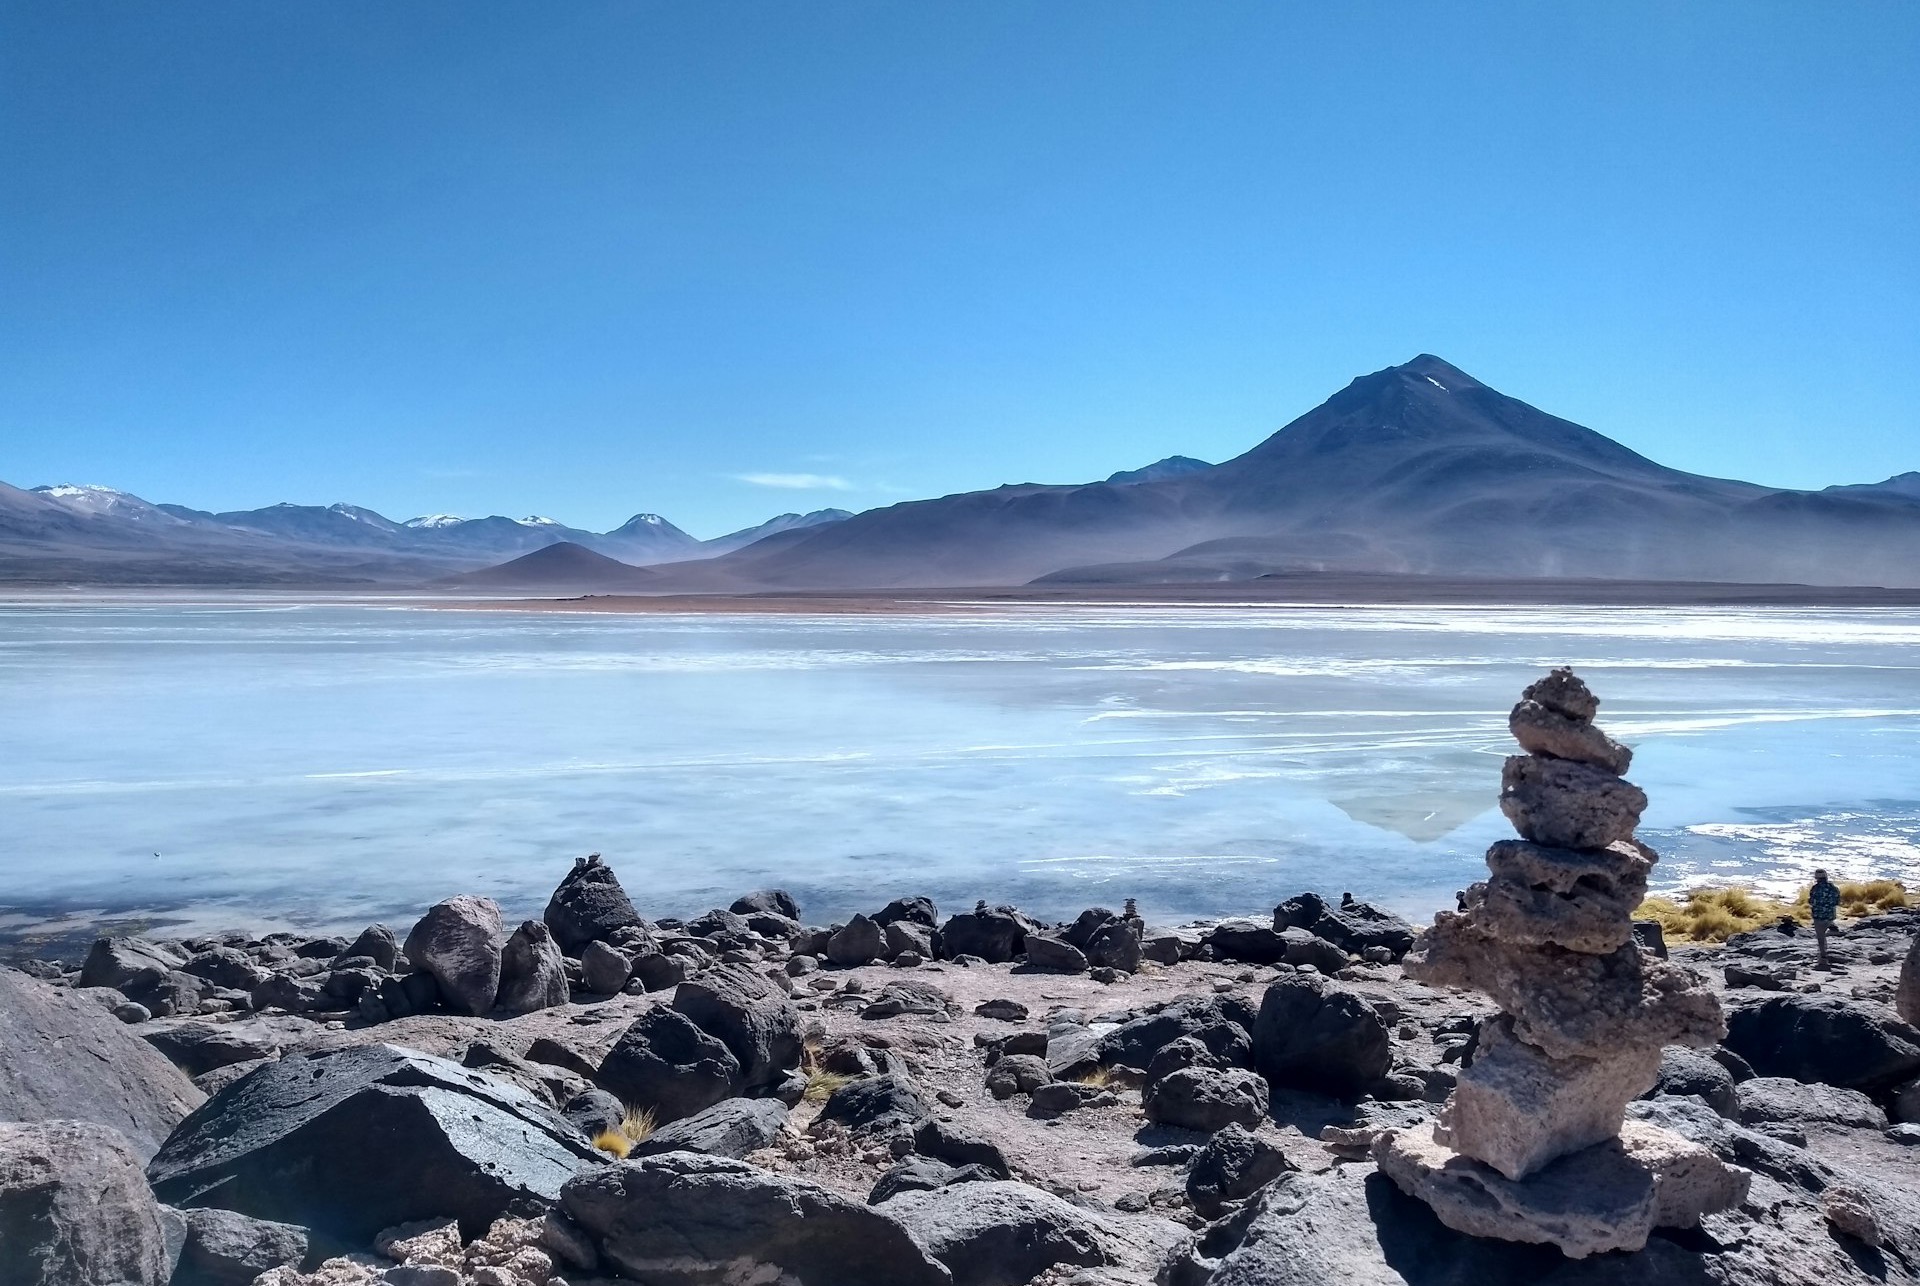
column 821, row 1083
column 1716, row 914
column 1099, row 1078
column 635, row 1125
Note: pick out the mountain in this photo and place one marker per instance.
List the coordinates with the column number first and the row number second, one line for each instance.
column 649, row 538
column 1905, row 485
column 772, row 526
column 1174, row 466
column 562, row 568
column 1417, row 469
column 91, row 534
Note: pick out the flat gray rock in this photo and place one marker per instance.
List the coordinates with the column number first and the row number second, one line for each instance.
column 1001, row 1233
column 64, row 1057
column 74, row 1209
column 730, row 1128
column 686, row 1220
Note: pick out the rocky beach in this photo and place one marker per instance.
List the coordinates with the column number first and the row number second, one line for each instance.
column 1533, row 1088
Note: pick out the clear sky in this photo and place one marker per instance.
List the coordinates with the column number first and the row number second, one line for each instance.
column 721, row 260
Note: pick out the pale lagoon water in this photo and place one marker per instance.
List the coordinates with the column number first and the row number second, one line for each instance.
column 268, row 762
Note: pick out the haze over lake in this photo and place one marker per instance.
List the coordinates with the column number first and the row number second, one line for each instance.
column 262, row 761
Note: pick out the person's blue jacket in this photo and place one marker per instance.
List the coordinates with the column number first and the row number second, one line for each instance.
column 1824, row 898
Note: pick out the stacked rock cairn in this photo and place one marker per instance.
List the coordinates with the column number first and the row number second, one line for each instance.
column 1533, row 1144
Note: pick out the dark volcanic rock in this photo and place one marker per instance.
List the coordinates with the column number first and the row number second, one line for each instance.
column 750, row 1016
column 533, row 975
column 1775, row 1100
column 196, row 1047
column 860, row 941
column 955, row 1146
column 1223, row 1024
column 1690, row 1071
column 1850, row 1043
column 226, row 967
column 1247, row 940
column 1234, row 1164
column 1017, row 1074
column 588, row 906
column 767, row 902
column 74, row 1209
column 355, row 1140
column 686, row 1220
column 114, row 962
column 995, row 935
column 999, row 1234
column 1313, row 1034
column 1206, row 1098
column 913, row 1173
column 883, row 1103
column 667, row 1064
column 63, row 1057
column 604, row 968
column 1352, row 926
column 1054, row 955
column 458, row 942
column 378, row 944
column 913, row 910
column 730, row 1128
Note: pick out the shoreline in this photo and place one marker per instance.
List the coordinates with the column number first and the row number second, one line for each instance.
column 1358, row 592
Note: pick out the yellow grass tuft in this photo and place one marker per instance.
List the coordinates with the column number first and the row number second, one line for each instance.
column 637, row 1123
column 821, row 1085
column 1099, row 1078
column 1716, row 914
column 614, row 1143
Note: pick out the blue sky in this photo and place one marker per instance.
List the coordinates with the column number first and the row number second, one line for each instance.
column 587, row 259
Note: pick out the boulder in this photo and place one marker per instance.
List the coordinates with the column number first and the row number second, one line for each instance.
column 886, row 1104
column 1247, row 940
column 196, row 1046
column 1222, row 1023
column 903, row 936
column 1116, row 944
column 995, row 935
column 909, row 910
column 1017, row 1074
column 658, row 971
column 378, row 944
column 767, row 902
column 685, row 1220
column 604, row 968
column 1176, row 1056
column 588, row 906
column 75, row 1210
column 1057, row 1097
column 1354, row 927
column 63, row 1057
column 533, row 974
column 858, row 943
column 593, row 1112
column 1302, row 947
column 1001, row 1233
column 749, row 1015
column 730, row 1128
column 667, row 1064
column 1775, row 1100
column 1578, row 899
column 1206, row 1098
column 223, row 1248
column 354, row 1140
column 227, row 967
column 1686, row 1071
column 1564, row 804
column 1054, row 955
column 913, row 1173
column 957, row 1147
column 458, row 942
column 1315, row 1034
column 907, row 997
column 1830, row 1039
column 114, row 962
column 1234, row 1164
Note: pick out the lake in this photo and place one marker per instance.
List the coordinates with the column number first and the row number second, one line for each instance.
column 264, row 762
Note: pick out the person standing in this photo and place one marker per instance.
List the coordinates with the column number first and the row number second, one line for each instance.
column 1824, row 900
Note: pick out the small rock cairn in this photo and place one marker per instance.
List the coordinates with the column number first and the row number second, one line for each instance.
column 1533, row 1144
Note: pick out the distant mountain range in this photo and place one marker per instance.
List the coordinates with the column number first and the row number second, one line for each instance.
column 1418, row 469
column 87, row 534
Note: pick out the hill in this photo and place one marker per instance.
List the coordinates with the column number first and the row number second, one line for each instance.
column 563, row 568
